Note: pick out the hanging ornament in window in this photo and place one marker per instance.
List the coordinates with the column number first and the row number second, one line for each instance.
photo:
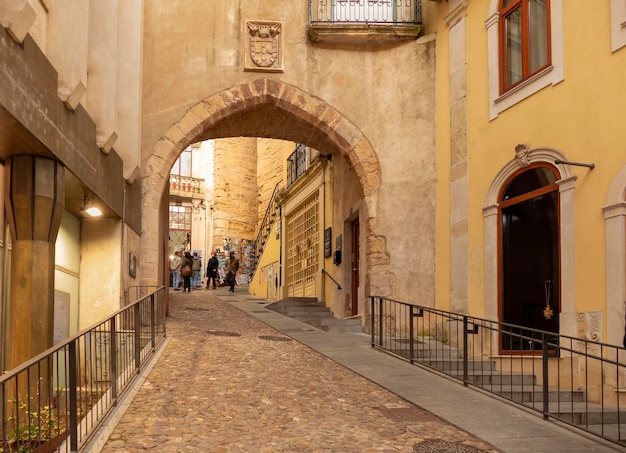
column 547, row 287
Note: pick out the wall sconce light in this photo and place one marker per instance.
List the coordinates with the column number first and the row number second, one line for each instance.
column 91, row 209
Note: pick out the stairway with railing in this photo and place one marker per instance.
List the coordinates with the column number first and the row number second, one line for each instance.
column 574, row 380
column 272, row 213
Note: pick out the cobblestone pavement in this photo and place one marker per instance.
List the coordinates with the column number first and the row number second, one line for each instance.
column 229, row 383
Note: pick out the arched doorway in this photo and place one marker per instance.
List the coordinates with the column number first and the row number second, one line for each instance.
column 259, row 108
column 529, row 250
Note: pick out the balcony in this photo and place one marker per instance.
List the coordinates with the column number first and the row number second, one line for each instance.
column 365, row 21
column 186, row 187
column 299, row 161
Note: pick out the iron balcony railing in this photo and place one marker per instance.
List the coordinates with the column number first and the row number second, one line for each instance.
column 365, row 11
column 57, row 400
column 299, row 161
column 579, row 382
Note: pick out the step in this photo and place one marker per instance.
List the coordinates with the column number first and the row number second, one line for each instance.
column 294, row 309
column 341, row 325
column 457, row 364
column 530, row 394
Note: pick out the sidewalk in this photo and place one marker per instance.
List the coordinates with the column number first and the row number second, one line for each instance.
column 228, row 383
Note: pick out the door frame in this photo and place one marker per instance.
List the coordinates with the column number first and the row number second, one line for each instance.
column 545, row 190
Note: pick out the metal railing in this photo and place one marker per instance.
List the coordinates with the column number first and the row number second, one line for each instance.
column 577, row 381
column 299, row 161
column 266, row 227
column 365, row 11
column 56, row 401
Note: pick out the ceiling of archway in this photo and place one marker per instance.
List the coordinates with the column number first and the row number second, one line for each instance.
column 268, row 122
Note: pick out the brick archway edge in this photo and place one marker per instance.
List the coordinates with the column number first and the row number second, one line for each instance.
column 236, row 100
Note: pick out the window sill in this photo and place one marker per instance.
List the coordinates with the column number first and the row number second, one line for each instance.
column 523, row 85
column 364, row 33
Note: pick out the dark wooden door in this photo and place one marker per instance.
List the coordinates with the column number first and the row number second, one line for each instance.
column 355, row 266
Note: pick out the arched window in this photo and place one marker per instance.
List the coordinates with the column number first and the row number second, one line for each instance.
column 524, row 40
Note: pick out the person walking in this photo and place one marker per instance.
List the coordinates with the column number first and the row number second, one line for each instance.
column 187, row 261
column 196, row 270
column 211, row 270
column 175, row 265
column 232, row 266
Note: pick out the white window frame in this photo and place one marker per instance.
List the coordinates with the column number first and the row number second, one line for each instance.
column 551, row 75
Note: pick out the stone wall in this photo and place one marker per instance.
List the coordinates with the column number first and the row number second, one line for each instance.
column 272, row 155
column 235, row 199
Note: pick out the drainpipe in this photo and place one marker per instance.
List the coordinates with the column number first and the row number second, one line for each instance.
column 122, row 291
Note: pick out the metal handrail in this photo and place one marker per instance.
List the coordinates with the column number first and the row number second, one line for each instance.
column 575, row 380
column 264, row 229
column 59, row 398
column 331, row 277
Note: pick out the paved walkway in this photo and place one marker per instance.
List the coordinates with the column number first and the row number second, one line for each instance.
column 237, row 377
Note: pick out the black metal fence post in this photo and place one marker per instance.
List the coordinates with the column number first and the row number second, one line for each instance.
column 465, row 350
column 137, row 314
column 73, row 395
column 113, row 363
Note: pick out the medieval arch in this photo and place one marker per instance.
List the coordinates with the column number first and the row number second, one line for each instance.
column 259, row 108
column 525, row 156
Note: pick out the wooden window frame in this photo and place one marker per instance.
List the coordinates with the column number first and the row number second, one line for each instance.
column 504, row 12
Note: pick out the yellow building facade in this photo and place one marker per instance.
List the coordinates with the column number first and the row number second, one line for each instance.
column 532, row 165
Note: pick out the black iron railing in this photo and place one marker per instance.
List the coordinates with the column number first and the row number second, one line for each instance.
column 574, row 380
column 299, row 161
column 365, row 11
column 56, row 401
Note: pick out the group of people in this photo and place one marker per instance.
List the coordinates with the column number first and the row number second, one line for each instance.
column 190, row 267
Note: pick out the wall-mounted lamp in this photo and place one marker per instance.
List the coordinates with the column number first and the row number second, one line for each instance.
column 577, row 164
column 91, row 209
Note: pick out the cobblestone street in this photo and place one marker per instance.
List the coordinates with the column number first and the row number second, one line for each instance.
column 229, row 383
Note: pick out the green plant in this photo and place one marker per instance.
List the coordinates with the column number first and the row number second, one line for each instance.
column 30, row 423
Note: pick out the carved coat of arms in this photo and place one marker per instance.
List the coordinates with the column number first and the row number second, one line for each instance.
column 264, row 45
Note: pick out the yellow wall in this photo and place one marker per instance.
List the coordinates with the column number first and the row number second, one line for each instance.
column 581, row 116
column 259, row 286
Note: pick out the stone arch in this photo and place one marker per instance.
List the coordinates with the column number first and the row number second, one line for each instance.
column 615, row 246
column 526, row 156
column 258, row 108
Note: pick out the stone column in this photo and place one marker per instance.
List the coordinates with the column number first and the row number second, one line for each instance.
column 34, row 202
column 459, row 240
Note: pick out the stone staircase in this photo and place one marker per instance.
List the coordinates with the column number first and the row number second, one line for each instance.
column 310, row 311
column 570, row 406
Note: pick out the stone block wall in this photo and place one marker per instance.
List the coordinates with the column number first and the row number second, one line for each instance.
column 272, row 157
column 235, row 199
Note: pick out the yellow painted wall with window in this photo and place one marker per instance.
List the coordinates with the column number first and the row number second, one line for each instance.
column 581, row 116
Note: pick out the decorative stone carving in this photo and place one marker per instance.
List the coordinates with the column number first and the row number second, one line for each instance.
column 264, row 46
column 522, row 154
column 590, row 325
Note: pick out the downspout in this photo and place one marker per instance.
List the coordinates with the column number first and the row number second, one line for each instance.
column 122, row 291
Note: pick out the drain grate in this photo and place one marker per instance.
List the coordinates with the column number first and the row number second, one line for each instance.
column 196, row 309
column 274, row 338
column 220, row 333
column 442, row 446
column 259, row 311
